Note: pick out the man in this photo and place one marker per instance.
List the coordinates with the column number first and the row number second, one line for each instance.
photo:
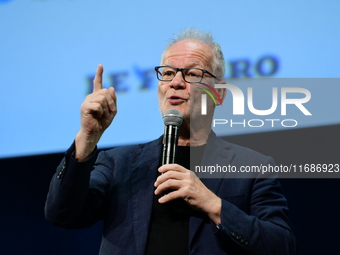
column 153, row 209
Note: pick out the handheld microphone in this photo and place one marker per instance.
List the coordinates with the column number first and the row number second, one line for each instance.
column 172, row 121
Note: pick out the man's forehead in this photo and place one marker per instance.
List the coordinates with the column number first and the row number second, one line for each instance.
column 201, row 51
column 187, row 64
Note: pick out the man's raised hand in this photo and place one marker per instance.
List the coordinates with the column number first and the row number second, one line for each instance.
column 97, row 113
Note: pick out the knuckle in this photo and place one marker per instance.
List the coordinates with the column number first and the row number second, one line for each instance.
column 97, row 108
column 172, row 196
column 169, row 174
column 186, row 189
column 167, row 184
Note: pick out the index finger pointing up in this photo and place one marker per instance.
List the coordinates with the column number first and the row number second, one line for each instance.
column 98, row 79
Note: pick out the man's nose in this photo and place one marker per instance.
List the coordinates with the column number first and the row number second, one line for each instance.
column 178, row 82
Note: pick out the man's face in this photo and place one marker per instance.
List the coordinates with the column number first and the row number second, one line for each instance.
column 176, row 94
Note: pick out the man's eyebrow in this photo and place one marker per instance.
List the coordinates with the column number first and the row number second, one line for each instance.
column 194, row 63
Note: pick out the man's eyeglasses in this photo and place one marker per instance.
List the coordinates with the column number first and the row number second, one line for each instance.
column 191, row 75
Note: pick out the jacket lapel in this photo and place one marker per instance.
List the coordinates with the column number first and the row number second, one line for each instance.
column 144, row 171
column 217, row 152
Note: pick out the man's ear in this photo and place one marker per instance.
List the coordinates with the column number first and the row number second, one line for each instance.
column 221, row 91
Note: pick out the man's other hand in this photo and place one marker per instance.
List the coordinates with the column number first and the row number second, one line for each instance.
column 188, row 187
column 97, row 113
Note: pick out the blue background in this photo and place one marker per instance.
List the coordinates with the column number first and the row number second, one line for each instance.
column 50, row 49
column 49, row 53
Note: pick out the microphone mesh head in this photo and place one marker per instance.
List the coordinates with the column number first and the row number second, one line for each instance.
column 173, row 117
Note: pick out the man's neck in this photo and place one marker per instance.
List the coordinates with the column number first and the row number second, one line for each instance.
column 194, row 139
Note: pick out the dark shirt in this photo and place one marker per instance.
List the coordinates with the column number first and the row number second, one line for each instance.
column 169, row 226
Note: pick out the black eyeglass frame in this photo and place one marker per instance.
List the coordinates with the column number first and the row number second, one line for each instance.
column 181, row 70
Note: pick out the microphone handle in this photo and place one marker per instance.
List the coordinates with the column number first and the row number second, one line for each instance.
column 170, row 140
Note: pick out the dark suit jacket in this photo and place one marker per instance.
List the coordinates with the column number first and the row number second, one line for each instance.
column 119, row 190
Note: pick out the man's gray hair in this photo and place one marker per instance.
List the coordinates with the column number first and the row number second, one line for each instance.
column 218, row 64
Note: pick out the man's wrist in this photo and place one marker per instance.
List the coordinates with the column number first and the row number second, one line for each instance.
column 215, row 211
column 84, row 147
